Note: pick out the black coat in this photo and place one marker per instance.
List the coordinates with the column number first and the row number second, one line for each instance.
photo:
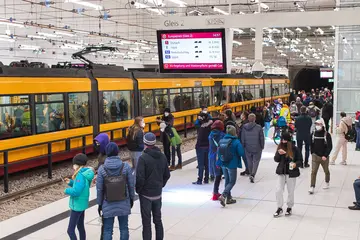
column 203, row 135
column 284, row 162
column 327, row 111
column 303, row 125
column 318, row 145
column 136, row 144
column 152, row 172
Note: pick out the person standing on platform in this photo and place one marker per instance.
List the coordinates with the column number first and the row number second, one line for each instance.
column 168, row 119
column 79, row 193
column 100, row 143
column 321, row 146
column 314, row 113
column 267, row 120
column 343, row 128
column 202, row 148
column 298, row 104
column 252, row 137
column 175, row 142
column 115, row 203
column 327, row 113
column 135, row 142
column 303, row 125
column 204, row 109
column 216, row 134
column 244, row 121
column 152, row 175
column 230, row 154
column 288, row 158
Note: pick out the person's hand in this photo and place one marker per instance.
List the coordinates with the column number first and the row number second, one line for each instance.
column 131, row 203
column 67, row 180
column 94, row 180
column 294, row 165
column 199, row 117
column 99, row 209
column 281, row 152
column 324, row 158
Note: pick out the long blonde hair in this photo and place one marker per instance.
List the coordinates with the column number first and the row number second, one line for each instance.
column 135, row 128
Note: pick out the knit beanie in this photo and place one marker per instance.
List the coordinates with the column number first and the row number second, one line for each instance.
column 112, row 149
column 80, row 159
column 219, row 125
column 230, row 129
column 149, row 139
column 286, row 136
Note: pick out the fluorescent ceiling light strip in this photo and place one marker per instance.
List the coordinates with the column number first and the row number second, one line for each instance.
column 7, row 39
column 178, row 2
column 264, row 6
column 86, row 4
column 146, row 48
column 13, row 24
column 237, row 42
column 81, row 32
column 65, row 34
column 238, row 30
column 29, row 47
column 147, row 7
column 48, row 35
column 36, row 37
column 220, row 11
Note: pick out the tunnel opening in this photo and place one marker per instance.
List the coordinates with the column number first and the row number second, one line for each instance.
column 309, row 78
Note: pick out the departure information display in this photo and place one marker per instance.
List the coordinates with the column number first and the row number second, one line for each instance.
column 192, row 51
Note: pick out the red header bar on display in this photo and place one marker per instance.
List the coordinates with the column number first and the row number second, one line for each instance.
column 193, row 66
column 191, row 35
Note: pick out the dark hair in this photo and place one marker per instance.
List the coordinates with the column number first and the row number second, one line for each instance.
column 246, row 114
column 203, row 107
column 303, row 109
column 342, row 114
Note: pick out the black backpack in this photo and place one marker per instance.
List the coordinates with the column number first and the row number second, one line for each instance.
column 115, row 186
column 350, row 135
column 224, row 150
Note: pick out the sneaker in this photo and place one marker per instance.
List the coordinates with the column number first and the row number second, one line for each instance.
column 326, row 186
column 215, row 196
column 172, row 168
column 197, row 182
column 288, row 212
column 311, row 190
column 244, row 173
column 278, row 212
column 307, row 165
column 343, row 163
column 179, row 166
column 355, row 207
column 222, row 200
column 332, row 162
column 251, row 179
column 230, row 200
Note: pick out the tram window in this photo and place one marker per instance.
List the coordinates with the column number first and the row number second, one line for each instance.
column 117, row 106
column 267, row 90
column 161, row 100
column 198, row 97
column 232, row 94
column 15, row 116
column 175, row 100
column 147, row 103
column 207, row 96
column 79, row 110
column 252, row 92
column 257, row 92
column 50, row 117
column 187, row 98
column 49, row 98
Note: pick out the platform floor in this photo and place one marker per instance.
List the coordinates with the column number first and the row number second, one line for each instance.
column 189, row 214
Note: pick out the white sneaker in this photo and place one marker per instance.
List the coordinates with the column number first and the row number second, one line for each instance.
column 326, row 186
column 343, row 163
column 332, row 163
column 311, row 190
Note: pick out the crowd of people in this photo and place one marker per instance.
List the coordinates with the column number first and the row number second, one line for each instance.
column 223, row 145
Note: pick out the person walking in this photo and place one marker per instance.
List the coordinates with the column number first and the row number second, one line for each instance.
column 115, row 199
column 230, row 154
column 202, row 148
column 314, row 113
column 152, row 175
column 288, row 158
column 303, row 125
column 175, row 142
column 252, row 137
column 327, row 113
column 343, row 128
column 321, row 146
column 79, row 192
column 100, row 143
column 216, row 134
column 135, row 142
column 168, row 119
column 244, row 120
column 298, row 104
column 267, row 120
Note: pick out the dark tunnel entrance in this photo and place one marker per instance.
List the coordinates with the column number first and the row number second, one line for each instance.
column 309, row 78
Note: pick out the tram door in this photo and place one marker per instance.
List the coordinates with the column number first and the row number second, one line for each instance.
column 218, row 93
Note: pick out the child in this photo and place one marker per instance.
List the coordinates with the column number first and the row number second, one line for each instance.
column 79, row 195
column 216, row 134
column 175, row 142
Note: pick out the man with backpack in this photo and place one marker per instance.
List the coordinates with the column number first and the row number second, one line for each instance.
column 252, row 138
column 230, row 154
column 344, row 132
column 152, row 174
column 314, row 113
column 321, row 146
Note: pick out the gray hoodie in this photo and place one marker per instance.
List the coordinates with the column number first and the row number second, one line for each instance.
column 252, row 137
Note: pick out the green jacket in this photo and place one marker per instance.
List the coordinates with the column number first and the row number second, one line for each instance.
column 175, row 139
column 79, row 190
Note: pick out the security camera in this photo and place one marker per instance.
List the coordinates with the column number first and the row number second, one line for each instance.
column 212, row 7
column 132, row 2
column 258, row 69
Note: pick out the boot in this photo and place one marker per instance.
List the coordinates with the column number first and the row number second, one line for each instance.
column 230, row 200
column 215, row 196
column 172, row 168
column 245, row 173
column 179, row 166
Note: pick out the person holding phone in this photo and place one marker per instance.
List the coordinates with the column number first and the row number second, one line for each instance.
column 289, row 159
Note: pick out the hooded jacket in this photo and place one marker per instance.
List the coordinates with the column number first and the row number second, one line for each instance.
column 79, row 190
column 152, row 172
column 203, row 135
column 342, row 129
column 237, row 153
column 118, row 208
column 103, row 140
column 214, row 139
column 285, row 112
column 284, row 162
column 252, row 137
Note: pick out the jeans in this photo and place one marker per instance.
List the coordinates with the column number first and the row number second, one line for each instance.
column 357, row 191
column 147, row 207
column 166, row 145
column 290, row 185
column 358, row 138
column 76, row 220
column 134, row 160
column 307, row 142
column 267, row 129
column 109, row 227
column 316, row 162
column 176, row 149
column 203, row 164
column 230, row 175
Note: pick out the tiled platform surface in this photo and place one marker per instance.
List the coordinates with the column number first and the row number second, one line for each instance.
column 188, row 214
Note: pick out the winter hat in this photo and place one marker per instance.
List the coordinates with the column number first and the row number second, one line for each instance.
column 286, row 136
column 80, row 159
column 112, row 149
column 149, row 139
column 219, row 125
column 320, row 121
column 167, row 110
column 230, row 129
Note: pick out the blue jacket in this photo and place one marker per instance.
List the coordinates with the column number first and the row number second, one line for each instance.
column 79, row 190
column 215, row 135
column 120, row 208
column 238, row 153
